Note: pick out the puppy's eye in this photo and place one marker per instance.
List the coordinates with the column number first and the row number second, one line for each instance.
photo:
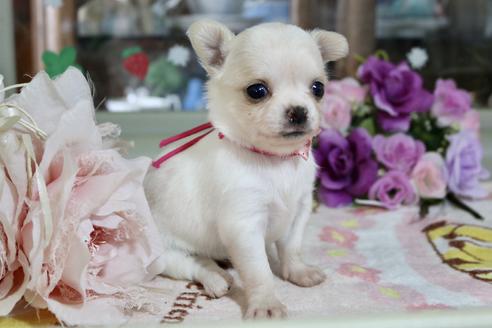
column 318, row 89
column 257, row 91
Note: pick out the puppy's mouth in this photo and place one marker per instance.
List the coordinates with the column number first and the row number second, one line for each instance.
column 293, row 134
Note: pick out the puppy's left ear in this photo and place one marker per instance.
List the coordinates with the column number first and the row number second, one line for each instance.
column 332, row 45
column 210, row 40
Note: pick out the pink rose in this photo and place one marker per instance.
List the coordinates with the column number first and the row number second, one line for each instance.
column 347, row 88
column 92, row 250
column 392, row 190
column 398, row 152
column 450, row 103
column 14, row 267
column 430, row 176
column 336, row 113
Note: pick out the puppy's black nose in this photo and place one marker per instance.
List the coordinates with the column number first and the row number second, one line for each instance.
column 296, row 115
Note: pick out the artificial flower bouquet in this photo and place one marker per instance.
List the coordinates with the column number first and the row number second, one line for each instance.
column 387, row 141
column 77, row 234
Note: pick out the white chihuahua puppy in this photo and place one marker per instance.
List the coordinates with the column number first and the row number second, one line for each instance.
column 242, row 193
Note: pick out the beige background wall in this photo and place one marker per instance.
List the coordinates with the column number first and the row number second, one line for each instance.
column 7, row 49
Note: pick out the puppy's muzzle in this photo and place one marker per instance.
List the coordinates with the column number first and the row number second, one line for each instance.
column 297, row 116
column 296, row 122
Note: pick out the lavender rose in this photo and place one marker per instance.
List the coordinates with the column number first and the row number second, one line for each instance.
column 451, row 104
column 464, row 164
column 471, row 122
column 346, row 168
column 397, row 92
column 392, row 190
column 398, row 152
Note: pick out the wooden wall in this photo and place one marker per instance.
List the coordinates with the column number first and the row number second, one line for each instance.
column 353, row 18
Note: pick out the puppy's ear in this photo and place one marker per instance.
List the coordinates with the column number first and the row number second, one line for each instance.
column 210, row 39
column 332, row 45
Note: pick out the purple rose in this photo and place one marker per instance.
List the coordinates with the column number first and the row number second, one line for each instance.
column 397, row 92
column 464, row 164
column 346, row 168
column 398, row 152
column 393, row 189
column 451, row 104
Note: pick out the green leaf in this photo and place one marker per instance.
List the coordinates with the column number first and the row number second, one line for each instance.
column 359, row 58
column 49, row 58
column 382, row 54
column 130, row 51
column 57, row 64
column 425, row 128
column 363, row 110
column 53, row 71
column 369, row 125
column 67, row 56
column 164, row 77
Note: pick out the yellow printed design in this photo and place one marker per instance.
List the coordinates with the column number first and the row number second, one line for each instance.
column 467, row 248
column 389, row 292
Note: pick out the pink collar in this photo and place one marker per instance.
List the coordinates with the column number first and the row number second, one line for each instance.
column 304, row 152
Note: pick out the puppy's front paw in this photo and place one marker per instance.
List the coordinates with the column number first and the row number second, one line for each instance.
column 303, row 275
column 265, row 308
column 216, row 284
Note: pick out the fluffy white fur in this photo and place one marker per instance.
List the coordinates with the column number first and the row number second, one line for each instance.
column 219, row 200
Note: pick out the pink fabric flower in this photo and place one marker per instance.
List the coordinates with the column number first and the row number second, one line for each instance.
column 358, row 271
column 100, row 239
column 336, row 113
column 430, row 176
column 347, row 88
column 450, row 103
column 340, row 237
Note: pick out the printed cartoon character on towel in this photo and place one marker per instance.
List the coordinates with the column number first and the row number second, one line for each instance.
column 241, row 189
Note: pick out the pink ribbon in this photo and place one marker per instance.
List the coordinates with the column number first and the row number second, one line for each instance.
column 157, row 163
column 304, row 152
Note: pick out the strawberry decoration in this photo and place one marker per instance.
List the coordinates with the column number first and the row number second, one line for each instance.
column 136, row 62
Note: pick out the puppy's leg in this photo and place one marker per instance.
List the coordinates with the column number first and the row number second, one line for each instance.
column 272, row 254
column 292, row 267
column 245, row 242
column 180, row 265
